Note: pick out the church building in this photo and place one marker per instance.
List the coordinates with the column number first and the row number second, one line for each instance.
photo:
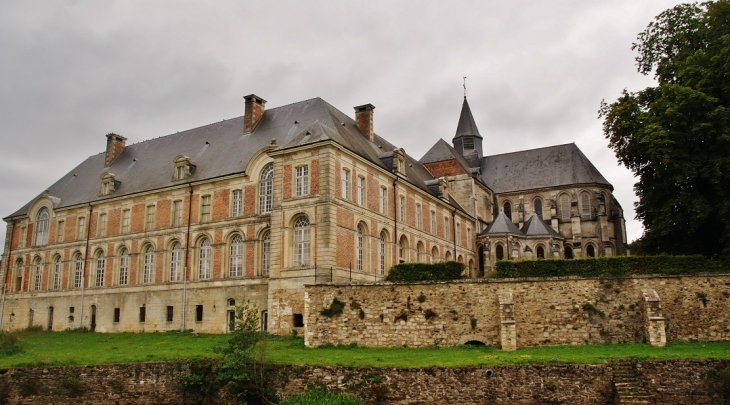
column 170, row 233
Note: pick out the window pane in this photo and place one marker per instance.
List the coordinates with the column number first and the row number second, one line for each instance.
column 149, row 264
column 204, row 263
column 175, row 262
column 124, row 267
column 266, row 254
column 236, row 260
column 266, row 187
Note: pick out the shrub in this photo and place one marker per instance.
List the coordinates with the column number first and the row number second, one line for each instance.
column 335, row 308
column 198, row 382
column 318, row 397
column 609, row 266
column 412, row 272
column 9, row 343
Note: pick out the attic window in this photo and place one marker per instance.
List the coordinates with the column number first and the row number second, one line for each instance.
column 468, row 143
column 399, row 157
column 183, row 168
column 108, row 184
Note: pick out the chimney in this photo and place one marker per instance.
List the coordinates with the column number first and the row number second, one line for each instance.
column 364, row 120
column 114, row 147
column 254, row 111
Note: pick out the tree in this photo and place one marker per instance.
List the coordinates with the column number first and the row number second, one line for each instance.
column 244, row 370
column 675, row 137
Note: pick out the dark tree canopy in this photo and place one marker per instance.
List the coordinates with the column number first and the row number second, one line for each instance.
column 675, row 137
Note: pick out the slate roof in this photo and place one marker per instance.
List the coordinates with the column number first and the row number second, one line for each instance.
column 467, row 125
column 550, row 167
column 502, row 225
column 537, row 227
column 221, row 149
column 442, row 151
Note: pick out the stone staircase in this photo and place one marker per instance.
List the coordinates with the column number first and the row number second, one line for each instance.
column 626, row 384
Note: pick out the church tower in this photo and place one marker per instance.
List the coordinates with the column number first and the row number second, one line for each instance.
column 467, row 140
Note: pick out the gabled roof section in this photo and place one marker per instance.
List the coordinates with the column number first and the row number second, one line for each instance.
column 537, row 227
column 442, row 151
column 553, row 166
column 467, row 125
column 502, row 225
column 221, row 149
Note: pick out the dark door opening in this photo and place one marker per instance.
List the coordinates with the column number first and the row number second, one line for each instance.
column 93, row 318
column 50, row 318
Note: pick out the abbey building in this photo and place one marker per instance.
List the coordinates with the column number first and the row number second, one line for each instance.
column 168, row 234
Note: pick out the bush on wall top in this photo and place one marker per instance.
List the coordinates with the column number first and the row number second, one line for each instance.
column 609, row 266
column 410, row 272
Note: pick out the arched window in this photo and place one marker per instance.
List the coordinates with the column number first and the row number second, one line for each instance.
column 565, row 207
column 590, row 251
column 419, row 252
column 176, row 257
column 57, row 269
column 540, row 252
column 460, row 259
column 301, row 241
column 434, row 254
column 508, row 210
column 585, row 203
column 149, row 264
column 471, row 265
column 538, row 207
column 124, row 266
column 266, row 253
column 41, row 228
column 359, row 248
column 403, row 249
column 19, row 275
column 204, row 253
column 100, row 264
column 78, row 270
column 568, row 252
column 382, row 252
column 37, row 273
column 266, row 188
column 235, row 266
column 499, row 250
column 447, row 256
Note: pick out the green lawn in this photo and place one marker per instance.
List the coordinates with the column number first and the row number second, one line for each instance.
column 77, row 348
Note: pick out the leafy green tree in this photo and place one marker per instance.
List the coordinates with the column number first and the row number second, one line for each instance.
column 244, row 371
column 675, row 136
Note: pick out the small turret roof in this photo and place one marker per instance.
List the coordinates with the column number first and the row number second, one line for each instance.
column 466, row 126
column 502, row 225
column 535, row 226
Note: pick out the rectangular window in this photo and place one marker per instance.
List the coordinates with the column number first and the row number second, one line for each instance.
column 298, row 320
column 383, row 200
column 102, row 224
column 180, row 172
column 80, row 228
column 23, row 235
column 198, row 313
column 402, row 209
column 125, row 221
column 446, row 227
column 117, row 315
column 433, row 222
column 205, row 208
column 60, row 229
column 170, row 310
column 177, row 213
column 361, row 190
column 236, row 200
column 418, row 216
column 150, row 218
column 142, row 313
column 71, row 310
column 345, row 184
column 302, row 180
column 468, row 237
column 458, row 233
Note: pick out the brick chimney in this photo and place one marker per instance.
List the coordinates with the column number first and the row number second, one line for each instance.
column 364, row 120
column 254, row 111
column 114, row 147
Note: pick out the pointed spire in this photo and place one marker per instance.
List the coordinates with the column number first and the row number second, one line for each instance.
column 466, row 126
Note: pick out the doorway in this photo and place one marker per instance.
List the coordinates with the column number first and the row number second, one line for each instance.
column 93, row 318
column 231, row 321
column 50, row 318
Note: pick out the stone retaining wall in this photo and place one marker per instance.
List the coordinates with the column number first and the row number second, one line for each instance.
column 522, row 312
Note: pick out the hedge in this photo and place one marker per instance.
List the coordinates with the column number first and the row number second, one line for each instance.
column 609, row 266
column 410, row 272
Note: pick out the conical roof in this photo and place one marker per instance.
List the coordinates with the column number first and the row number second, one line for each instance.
column 502, row 225
column 467, row 126
column 537, row 227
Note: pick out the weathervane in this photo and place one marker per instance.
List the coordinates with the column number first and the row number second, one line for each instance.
column 464, row 86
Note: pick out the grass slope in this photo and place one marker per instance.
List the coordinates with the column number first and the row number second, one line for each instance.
column 78, row 348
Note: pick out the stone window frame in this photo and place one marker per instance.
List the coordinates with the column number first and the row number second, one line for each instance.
column 184, row 168
column 588, row 252
column 433, row 222
column 361, row 244
column 99, row 268
column 585, row 205
column 447, row 236
column 419, row 215
column 301, row 241
column 266, row 188
column 55, row 282
column 78, row 270
column 126, row 221
column 345, row 179
column 109, row 184
column 539, row 247
column 499, row 247
column 403, row 249
column 402, row 208
column 37, row 266
column 150, row 217
column 236, row 203
column 147, row 262
column 507, row 209
column 177, row 213
column 537, row 210
column 457, row 236
column 60, row 230
column 205, row 258
column 236, row 260
column 468, row 238
column 176, row 266
column 383, row 200
column 383, row 252
column 81, row 228
column 123, row 262
column 301, row 180
column 102, row 225
column 564, row 202
column 42, row 227
column 361, row 190
column 435, row 254
column 19, row 275
column 265, row 252
column 206, row 208
column 420, row 247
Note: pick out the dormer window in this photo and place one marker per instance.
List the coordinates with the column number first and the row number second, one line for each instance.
column 183, row 168
column 399, row 161
column 108, row 184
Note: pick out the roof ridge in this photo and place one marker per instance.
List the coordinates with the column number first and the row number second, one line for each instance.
column 530, row 150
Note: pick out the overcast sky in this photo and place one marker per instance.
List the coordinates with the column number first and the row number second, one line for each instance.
column 73, row 71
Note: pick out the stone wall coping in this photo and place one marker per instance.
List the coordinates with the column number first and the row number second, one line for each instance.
column 513, row 280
